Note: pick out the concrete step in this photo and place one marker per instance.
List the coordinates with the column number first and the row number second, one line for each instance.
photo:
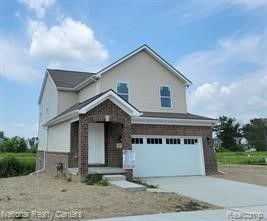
column 127, row 185
column 73, row 171
column 113, row 177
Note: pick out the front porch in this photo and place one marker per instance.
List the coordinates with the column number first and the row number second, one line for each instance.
column 98, row 139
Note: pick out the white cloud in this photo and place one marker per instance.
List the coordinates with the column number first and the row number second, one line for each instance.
column 70, row 40
column 19, row 129
column 230, row 79
column 225, row 59
column 243, row 99
column 15, row 63
column 39, row 6
column 249, row 4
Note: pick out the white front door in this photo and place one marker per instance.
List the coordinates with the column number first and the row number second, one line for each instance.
column 96, row 143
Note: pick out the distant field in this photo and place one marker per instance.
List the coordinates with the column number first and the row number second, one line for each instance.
column 27, row 158
column 242, row 157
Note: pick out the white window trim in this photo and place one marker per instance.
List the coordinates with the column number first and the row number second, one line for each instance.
column 165, row 97
column 128, row 85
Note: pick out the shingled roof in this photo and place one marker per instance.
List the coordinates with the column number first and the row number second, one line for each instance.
column 174, row 115
column 68, row 79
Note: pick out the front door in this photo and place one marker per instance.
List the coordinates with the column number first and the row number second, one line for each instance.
column 96, row 143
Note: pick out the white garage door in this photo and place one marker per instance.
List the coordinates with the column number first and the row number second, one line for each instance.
column 168, row 156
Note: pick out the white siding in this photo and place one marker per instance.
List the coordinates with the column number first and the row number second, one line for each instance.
column 47, row 110
column 66, row 99
column 59, row 137
column 145, row 75
column 87, row 92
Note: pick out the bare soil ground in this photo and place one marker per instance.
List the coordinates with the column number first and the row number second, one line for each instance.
column 44, row 193
column 254, row 174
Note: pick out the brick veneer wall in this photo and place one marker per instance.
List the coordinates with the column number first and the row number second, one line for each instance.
column 97, row 114
column 204, row 132
column 74, row 142
column 113, row 155
column 51, row 160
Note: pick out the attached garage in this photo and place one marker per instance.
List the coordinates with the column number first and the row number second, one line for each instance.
column 168, row 156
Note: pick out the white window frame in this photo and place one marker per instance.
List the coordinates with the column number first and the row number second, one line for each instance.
column 128, row 85
column 165, row 96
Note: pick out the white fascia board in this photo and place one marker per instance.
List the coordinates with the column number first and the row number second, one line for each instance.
column 65, row 117
column 86, row 82
column 65, row 89
column 168, row 121
column 42, row 87
column 116, row 99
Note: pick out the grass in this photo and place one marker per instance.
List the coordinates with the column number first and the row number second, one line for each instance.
column 257, row 157
column 25, row 160
column 141, row 182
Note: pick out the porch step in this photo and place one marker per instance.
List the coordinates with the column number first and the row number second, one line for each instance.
column 127, row 185
column 113, row 177
column 73, row 171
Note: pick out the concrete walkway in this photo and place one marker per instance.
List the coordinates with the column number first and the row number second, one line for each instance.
column 203, row 215
column 216, row 191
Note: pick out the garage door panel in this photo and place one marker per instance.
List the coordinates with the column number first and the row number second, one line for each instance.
column 168, row 160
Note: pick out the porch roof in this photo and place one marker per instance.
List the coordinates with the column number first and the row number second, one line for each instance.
column 85, row 106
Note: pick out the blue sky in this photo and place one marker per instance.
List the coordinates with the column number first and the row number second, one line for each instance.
column 220, row 45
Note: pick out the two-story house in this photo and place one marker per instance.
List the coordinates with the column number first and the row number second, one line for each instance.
column 138, row 103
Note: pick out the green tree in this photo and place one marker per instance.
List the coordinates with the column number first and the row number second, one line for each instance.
column 226, row 130
column 14, row 144
column 256, row 133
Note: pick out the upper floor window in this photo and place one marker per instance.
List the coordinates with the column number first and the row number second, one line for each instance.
column 123, row 90
column 165, row 96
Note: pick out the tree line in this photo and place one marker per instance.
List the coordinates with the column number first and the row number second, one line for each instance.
column 228, row 129
column 14, row 144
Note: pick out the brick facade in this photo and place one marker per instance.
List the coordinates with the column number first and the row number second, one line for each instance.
column 51, row 160
column 74, row 142
column 204, row 132
column 113, row 155
column 98, row 114
column 118, row 130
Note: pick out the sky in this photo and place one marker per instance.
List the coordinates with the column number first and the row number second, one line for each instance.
column 220, row 45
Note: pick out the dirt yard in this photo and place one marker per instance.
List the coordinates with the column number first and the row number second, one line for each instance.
column 245, row 173
column 43, row 193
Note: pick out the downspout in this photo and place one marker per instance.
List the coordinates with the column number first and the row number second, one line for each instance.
column 44, row 158
column 95, row 79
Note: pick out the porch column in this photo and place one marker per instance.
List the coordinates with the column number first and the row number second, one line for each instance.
column 83, row 148
column 126, row 137
column 127, row 143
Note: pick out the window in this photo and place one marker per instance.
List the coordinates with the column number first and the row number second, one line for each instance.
column 123, row 90
column 173, row 141
column 137, row 140
column 190, row 141
column 154, row 140
column 165, row 96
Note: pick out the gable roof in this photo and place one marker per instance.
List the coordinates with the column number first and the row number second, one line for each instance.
column 87, row 105
column 68, row 79
column 76, row 80
column 152, row 53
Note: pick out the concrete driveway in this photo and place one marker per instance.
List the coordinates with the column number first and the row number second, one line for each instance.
column 216, row 191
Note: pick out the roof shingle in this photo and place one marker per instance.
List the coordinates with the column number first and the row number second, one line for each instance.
column 68, row 79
